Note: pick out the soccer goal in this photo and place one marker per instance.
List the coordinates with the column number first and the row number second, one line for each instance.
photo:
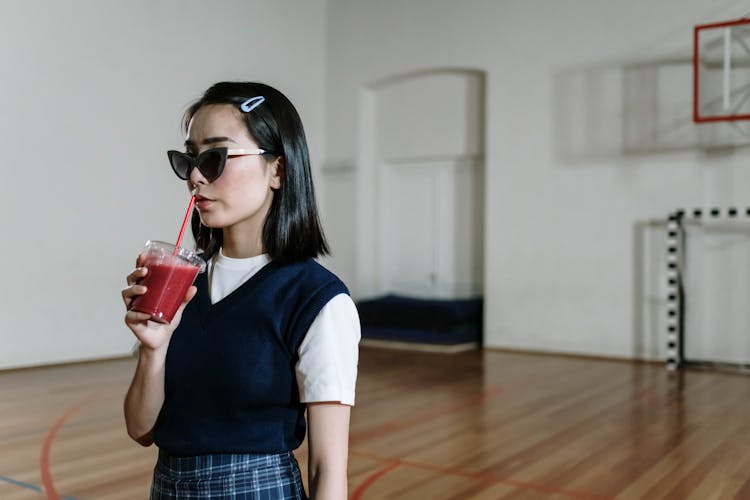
column 708, row 274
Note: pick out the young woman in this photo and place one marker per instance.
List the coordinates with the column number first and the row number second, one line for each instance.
column 264, row 336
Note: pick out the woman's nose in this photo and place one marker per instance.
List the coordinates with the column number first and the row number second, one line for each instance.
column 196, row 178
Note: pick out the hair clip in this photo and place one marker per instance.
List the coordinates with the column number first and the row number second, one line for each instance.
column 252, row 103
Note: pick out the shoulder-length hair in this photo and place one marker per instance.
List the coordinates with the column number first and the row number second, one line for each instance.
column 292, row 229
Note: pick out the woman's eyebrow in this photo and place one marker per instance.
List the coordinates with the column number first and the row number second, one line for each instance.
column 210, row 140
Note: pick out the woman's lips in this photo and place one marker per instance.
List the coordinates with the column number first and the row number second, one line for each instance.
column 202, row 202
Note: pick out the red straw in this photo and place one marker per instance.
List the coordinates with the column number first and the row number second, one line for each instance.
column 184, row 224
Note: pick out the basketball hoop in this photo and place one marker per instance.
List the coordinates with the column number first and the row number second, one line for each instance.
column 721, row 71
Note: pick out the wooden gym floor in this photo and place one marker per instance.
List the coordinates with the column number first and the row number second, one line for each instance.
column 489, row 425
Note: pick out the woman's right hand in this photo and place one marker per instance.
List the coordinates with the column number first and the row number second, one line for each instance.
column 153, row 335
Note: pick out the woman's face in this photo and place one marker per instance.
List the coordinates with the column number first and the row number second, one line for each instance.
column 243, row 193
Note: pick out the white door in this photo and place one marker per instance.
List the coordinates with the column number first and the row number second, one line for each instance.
column 409, row 225
column 431, row 222
column 429, row 202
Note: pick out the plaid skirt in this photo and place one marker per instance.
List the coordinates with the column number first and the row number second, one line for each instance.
column 229, row 476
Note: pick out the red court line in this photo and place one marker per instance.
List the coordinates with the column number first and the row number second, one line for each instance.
column 47, row 484
column 421, row 417
column 371, row 479
column 479, row 476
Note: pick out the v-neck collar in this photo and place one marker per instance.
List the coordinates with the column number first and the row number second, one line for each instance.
column 209, row 312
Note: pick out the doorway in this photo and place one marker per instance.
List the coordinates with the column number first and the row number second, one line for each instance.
column 425, row 147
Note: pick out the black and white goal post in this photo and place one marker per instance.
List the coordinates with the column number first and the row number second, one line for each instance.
column 675, row 332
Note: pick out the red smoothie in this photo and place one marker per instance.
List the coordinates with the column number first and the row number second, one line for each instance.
column 167, row 285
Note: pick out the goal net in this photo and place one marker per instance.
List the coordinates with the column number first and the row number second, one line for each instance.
column 714, row 269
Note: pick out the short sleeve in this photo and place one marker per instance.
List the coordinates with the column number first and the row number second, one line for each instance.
column 329, row 353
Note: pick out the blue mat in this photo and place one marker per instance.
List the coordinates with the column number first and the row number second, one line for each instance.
column 431, row 321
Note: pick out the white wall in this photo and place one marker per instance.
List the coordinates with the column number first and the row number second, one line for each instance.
column 588, row 138
column 92, row 95
column 575, row 163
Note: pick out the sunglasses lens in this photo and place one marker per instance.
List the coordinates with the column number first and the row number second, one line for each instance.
column 181, row 164
column 211, row 164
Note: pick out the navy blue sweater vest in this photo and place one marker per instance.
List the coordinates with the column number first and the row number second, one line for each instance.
column 230, row 384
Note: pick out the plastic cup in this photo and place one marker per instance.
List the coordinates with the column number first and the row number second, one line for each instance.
column 169, row 276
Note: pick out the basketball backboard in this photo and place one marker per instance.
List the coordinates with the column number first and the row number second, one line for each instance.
column 721, row 71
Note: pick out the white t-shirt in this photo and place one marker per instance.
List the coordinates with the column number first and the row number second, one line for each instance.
column 328, row 356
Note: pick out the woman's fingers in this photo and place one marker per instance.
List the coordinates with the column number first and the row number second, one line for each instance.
column 140, row 260
column 136, row 317
column 151, row 334
column 136, row 276
column 132, row 279
column 130, row 292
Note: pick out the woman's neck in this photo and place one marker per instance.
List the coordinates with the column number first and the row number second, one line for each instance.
column 240, row 243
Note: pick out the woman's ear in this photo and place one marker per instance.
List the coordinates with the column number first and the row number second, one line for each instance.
column 277, row 172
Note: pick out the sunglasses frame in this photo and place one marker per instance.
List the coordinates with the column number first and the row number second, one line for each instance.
column 195, row 161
